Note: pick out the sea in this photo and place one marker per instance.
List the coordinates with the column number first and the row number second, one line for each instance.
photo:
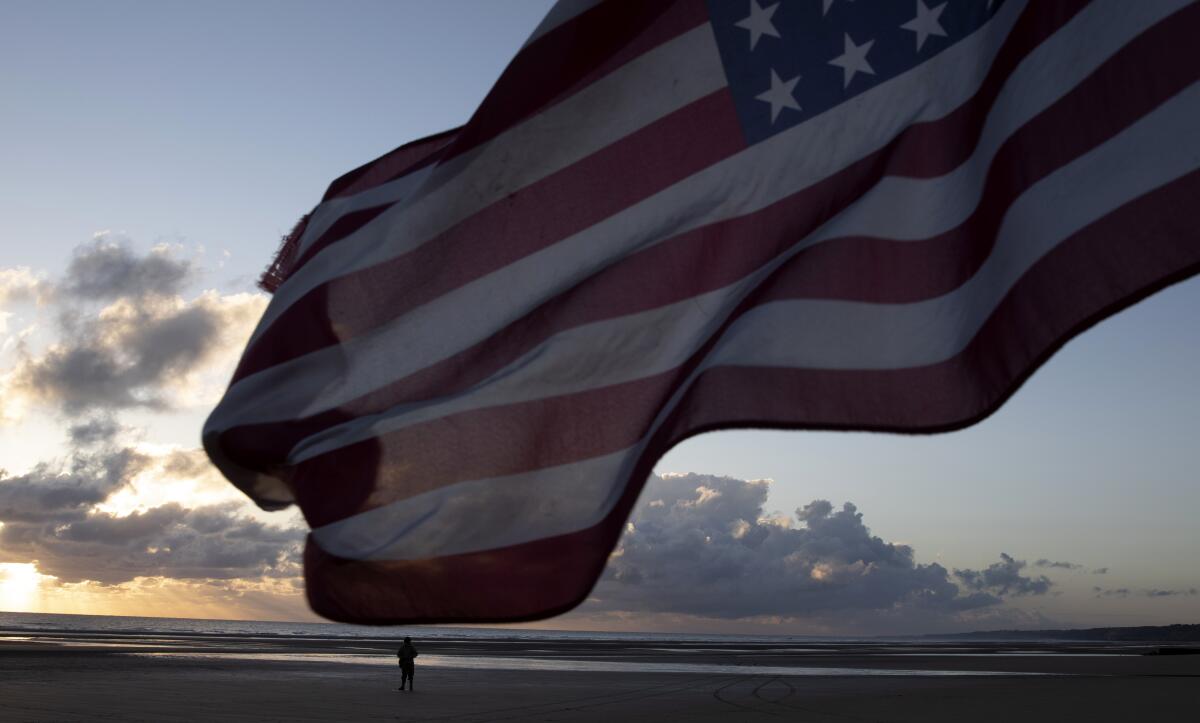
column 510, row 647
column 16, row 623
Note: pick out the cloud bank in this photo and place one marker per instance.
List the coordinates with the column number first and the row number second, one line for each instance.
column 705, row 546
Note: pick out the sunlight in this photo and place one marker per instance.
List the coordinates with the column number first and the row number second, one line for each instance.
column 159, row 484
column 20, row 585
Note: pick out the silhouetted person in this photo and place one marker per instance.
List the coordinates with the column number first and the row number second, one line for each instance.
column 408, row 656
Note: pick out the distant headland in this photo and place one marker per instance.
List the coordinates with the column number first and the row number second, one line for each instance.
column 1144, row 633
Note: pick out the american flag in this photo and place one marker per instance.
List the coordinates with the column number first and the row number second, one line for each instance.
column 674, row 217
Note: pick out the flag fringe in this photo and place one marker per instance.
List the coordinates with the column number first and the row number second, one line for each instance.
column 285, row 258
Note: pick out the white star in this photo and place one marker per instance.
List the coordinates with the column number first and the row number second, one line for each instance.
column 826, row 4
column 780, row 95
column 758, row 22
column 926, row 23
column 853, row 60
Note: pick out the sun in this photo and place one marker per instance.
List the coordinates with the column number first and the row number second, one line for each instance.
column 20, row 584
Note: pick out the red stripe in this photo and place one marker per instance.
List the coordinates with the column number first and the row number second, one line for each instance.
column 706, row 259
column 1144, row 246
column 532, row 219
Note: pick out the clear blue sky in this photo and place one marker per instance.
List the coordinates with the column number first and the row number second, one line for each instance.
column 217, row 124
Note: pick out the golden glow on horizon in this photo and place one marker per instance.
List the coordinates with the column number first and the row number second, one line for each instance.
column 20, row 587
column 24, row 589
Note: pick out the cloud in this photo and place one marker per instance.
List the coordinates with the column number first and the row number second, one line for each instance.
column 55, row 497
column 123, row 336
column 145, row 354
column 98, row 430
column 1043, row 562
column 1124, row 592
column 212, row 542
column 58, row 520
column 1004, row 578
column 91, row 518
column 702, row 545
column 109, row 269
column 1100, row 571
column 22, row 285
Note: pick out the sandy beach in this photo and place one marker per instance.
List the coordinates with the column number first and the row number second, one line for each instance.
column 61, row 677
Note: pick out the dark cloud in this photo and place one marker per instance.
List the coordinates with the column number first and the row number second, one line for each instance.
column 122, row 361
column 125, row 337
column 1043, row 562
column 54, row 497
column 1124, row 592
column 701, row 545
column 1004, row 578
column 1155, row 592
column 105, row 270
column 211, row 542
column 102, row 429
column 1100, row 571
column 50, row 516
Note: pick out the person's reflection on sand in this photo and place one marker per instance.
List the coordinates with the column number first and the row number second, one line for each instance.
column 408, row 656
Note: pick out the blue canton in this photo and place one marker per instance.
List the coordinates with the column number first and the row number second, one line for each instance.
column 789, row 60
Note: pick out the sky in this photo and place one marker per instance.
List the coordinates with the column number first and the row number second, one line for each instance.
column 151, row 156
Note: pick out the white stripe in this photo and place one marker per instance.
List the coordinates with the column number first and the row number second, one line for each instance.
column 640, row 92
column 464, row 316
column 641, row 345
column 800, row 334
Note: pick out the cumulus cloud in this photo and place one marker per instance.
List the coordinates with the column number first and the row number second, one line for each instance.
column 97, row 430
column 1057, row 564
column 57, row 518
column 1124, row 592
column 143, row 353
column 704, row 546
column 212, row 542
column 1004, row 578
column 124, row 337
column 53, row 496
column 109, row 269
column 22, row 285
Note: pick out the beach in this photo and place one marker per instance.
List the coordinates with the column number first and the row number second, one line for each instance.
column 62, row 676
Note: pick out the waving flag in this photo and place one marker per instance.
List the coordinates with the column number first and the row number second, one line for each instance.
column 673, row 217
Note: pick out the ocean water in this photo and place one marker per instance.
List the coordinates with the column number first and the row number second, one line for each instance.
column 17, row 623
column 481, row 647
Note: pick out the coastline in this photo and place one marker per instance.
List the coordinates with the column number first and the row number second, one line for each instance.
column 57, row 675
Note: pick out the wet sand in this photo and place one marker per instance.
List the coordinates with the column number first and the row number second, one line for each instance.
column 53, row 677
